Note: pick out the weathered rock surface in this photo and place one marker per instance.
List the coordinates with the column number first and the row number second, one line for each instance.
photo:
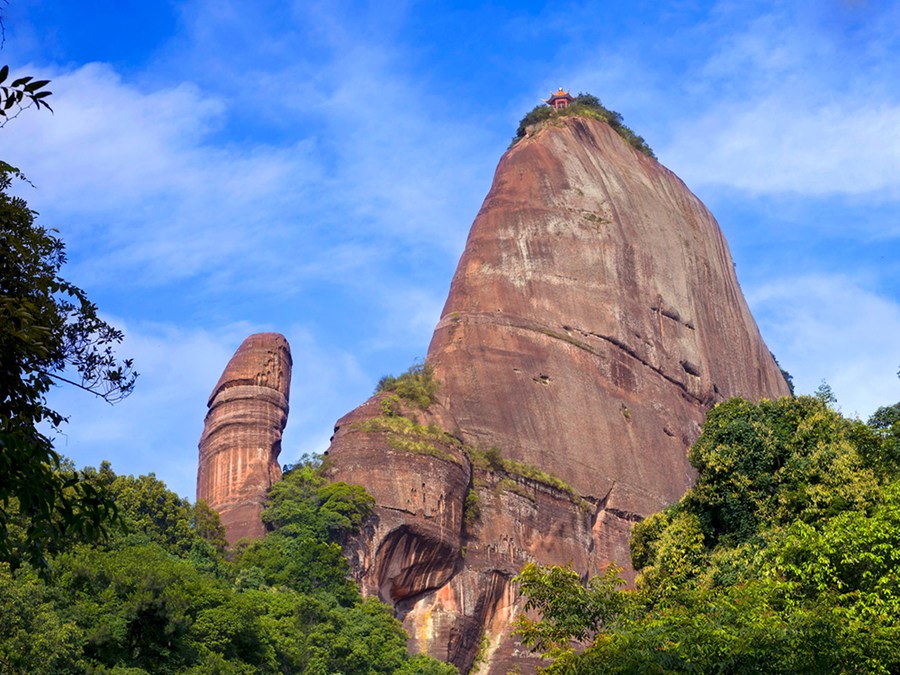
column 241, row 437
column 593, row 319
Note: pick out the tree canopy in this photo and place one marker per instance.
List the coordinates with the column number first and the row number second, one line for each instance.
column 782, row 559
column 161, row 594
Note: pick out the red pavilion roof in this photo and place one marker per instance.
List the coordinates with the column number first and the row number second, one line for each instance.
column 558, row 95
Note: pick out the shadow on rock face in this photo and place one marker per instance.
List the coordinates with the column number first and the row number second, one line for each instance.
column 410, row 561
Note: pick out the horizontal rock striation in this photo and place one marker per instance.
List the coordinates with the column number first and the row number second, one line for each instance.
column 241, row 438
column 594, row 318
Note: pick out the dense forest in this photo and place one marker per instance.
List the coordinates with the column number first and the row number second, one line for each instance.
column 161, row 595
column 784, row 557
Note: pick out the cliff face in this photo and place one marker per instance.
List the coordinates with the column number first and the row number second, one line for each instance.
column 593, row 319
column 241, row 437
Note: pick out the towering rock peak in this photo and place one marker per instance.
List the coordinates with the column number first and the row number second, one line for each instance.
column 241, row 438
column 593, row 319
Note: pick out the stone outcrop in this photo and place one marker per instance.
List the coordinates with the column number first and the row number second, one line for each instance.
column 593, row 319
column 241, row 437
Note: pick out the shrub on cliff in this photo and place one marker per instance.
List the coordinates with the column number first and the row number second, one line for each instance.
column 417, row 385
column 584, row 105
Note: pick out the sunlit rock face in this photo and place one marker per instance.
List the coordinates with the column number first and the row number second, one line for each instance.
column 594, row 318
column 241, row 437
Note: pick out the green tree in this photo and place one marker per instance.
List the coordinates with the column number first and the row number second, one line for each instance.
column 886, row 419
column 782, row 559
column 20, row 94
column 571, row 610
column 49, row 333
column 303, row 505
column 826, row 394
column 34, row 637
column 771, row 462
column 310, row 518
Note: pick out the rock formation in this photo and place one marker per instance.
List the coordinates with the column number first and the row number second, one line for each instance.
column 593, row 319
column 241, row 438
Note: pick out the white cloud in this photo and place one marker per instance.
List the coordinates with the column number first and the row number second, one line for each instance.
column 783, row 143
column 784, row 103
column 133, row 177
column 833, row 328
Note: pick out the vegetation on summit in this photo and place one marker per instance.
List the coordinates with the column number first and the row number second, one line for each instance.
column 782, row 559
column 584, row 105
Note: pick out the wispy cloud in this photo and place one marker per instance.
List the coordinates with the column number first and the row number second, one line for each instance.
column 793, row 105
column 146, row 187
column 783, row 143
column 833, row 328
column 135, row 182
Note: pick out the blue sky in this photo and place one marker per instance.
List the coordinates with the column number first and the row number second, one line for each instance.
column 219, row 168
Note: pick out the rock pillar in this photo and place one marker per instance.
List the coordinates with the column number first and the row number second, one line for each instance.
column 241, row 438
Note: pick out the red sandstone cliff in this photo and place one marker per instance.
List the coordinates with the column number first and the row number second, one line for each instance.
column 593, row 319
column 242, row 434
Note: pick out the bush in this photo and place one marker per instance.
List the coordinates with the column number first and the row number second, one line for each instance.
column 417, row 385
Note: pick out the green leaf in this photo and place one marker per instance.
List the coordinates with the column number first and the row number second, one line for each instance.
column 37, row 84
